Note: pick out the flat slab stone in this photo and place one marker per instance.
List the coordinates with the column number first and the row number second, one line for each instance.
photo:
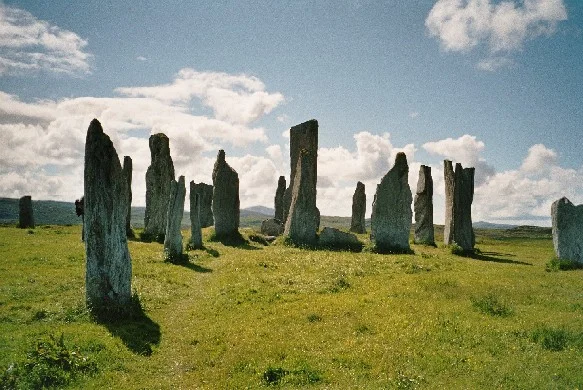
column 423, row 207
column 173, row 237
column 567, row 227
column 225, row 198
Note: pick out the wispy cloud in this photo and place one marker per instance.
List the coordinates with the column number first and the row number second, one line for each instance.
column 502, row 27
column 28, row 44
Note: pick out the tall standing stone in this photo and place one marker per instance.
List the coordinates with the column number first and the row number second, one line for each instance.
column 127, row 172
column 195, row 226
column 25, row 214
column 301, row 137
column 391, row 209
column 357, row 223
column 158, row 177
column 278, row 201
column 173, row 237
column 459, row 195
column 225, row 198
column 423, row 206
column 567, row 223
column 109, row 266
column 302, row 222
column 205, row 193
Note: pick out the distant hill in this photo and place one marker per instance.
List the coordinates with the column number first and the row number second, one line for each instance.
column 488, row 225
column 46, row 212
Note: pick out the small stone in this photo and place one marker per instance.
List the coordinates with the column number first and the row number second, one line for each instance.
column 225, row 198
column 567, row 223
column 158, row 177
column 109, row 266
column 279, row 201
column 423, row 206
column 271, row 227
column 391, row 209
column 127, row 172
column 25, row 214
column 337, row 239
column 205, row 193
column 173, row 237
column 357, row 223
column 195, row 225
column 303, row 218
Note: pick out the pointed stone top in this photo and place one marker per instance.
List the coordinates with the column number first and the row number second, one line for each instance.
column 360, row 186
column 221, row 155
column 159, row 145
column 281, row 180
column 181, row 181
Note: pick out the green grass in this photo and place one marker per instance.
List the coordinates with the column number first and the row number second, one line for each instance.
column 256, row 316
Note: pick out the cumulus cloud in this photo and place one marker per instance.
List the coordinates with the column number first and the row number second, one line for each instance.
column 52, row 134
column 501, row 27
column 465, row 150
column 238, row 99
column 28, row 44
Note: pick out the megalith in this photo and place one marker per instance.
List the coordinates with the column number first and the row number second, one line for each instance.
column 195, row 225
column 301, row 137
column 158, row 177
column 357, row 223
column 205, row 193
column 567, row 227
column 423, row 206
column 271, row 227
column 25, row 214
column 278, row 200
column 173, row 237
column 109, row 267
column 391, row 209
column 127, row 172
column 459, row 195
column 225, row 198
column 302, row 222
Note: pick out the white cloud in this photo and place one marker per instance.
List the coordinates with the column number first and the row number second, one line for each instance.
column 413, row 114
column 502, row 27
column 141, row 58
column 236, row 99
column 28, row 44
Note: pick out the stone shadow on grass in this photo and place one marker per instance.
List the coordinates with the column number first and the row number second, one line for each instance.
column 235, row 240
column 496, row 257
column 138, row 332
column 195, row 267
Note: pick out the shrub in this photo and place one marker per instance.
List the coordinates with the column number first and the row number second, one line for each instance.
column 49, row 364
column 490, row 304
column 314, row 318
column 550, row 339
column 556, row 264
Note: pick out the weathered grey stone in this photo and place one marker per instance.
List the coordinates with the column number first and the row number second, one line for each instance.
column 271, row 227
column 225, row 198
column 195, row 226
column 302, row 221
column 278, row 201
column 391, row 209
column 567, row 223
column 173, row 237
column 205, row 193
column 459, row 195
column 301, row 137
column 158, row 177
column 334, row 238
column 109, row 266
column 423, row 206
column 127, row 172
column 25, row 214
column 357, row 223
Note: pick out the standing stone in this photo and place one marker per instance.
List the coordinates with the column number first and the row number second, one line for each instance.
column 25, row 215
column 357, row 223
column 195, row 226
column 391, row 209
column 127, row 172
column 79, row 210
column 109, row 266
column 205, row 193
column 423, row 206
column 225, row 198
column 271, row 227
column 158, row 177
column 459, row 195
column 173, row 237
column 301, row 137
column 567, row 225
column 302, row 222
column 278, row 201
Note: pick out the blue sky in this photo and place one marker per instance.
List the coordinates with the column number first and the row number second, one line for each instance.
column 493, row 84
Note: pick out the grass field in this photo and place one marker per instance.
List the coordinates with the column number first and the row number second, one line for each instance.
column 275, row 316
